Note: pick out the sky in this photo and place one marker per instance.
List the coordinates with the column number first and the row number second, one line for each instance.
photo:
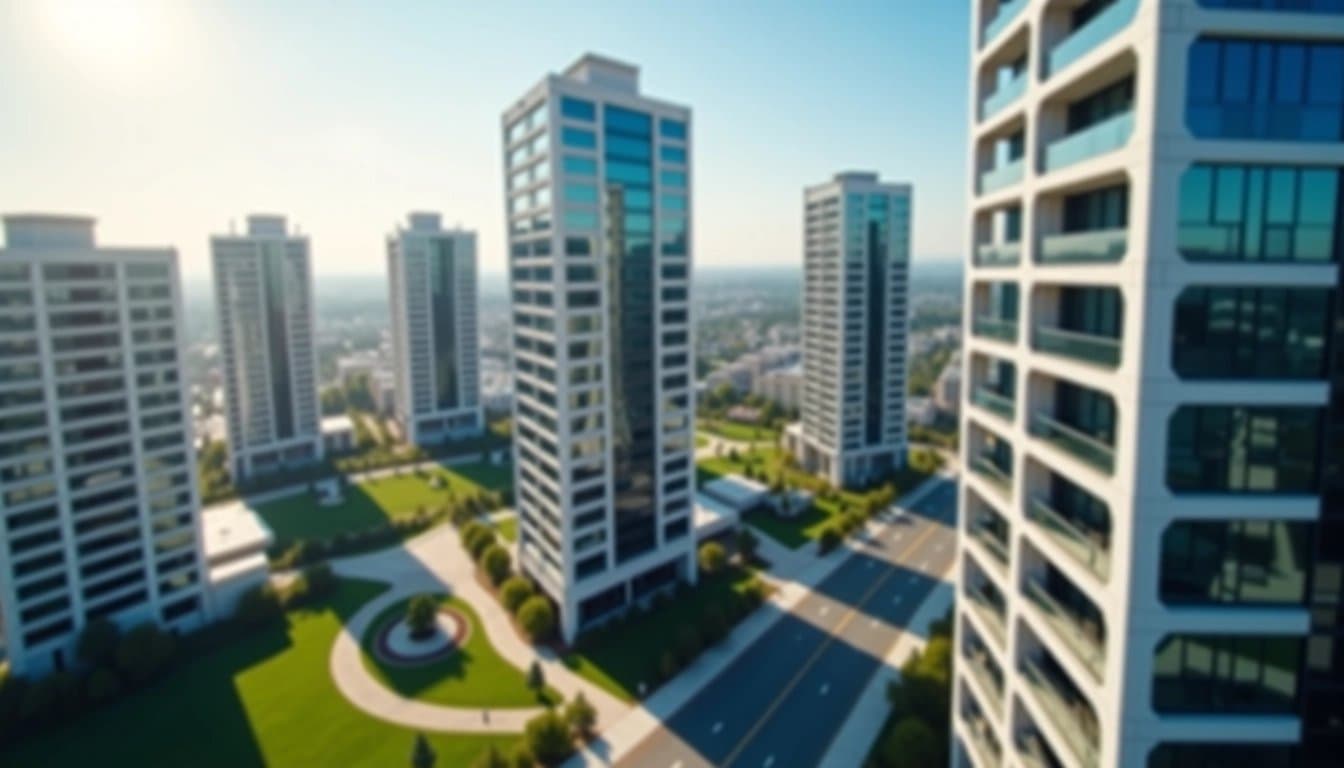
column 168, row 119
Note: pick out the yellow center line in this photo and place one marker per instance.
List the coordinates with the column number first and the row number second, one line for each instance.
column 834, row 635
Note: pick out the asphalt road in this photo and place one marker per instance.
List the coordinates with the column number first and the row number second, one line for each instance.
column 782, row 701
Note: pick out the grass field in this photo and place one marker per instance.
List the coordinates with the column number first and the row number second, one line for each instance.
column 475, row 676
column 620, row 660
column 732, row 430
column 264, row 699
column 376, row 501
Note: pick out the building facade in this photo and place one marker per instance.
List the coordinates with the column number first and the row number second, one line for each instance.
column 856, row 261
column 1150, row 567
column 264, row 300
column 435, row 343
column 598, row 207
column 97, row 473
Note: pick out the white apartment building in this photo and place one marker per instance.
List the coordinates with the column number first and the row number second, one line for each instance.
column 598, row 207
column 435, row 346
column 856, row 261
column 1150, row 572
column 264, row 299
column 783, row 387
column 98, row 494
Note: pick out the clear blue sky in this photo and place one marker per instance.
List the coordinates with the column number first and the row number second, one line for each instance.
column 168, row 118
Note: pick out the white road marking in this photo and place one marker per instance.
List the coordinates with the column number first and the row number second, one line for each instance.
column 718, row 726
column 825, row 688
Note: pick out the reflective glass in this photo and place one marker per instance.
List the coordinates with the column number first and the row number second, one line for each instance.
column 578, row 138
column 577, row 109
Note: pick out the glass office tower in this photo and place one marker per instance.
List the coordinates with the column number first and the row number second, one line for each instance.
column 598, row 183
column 1151, row 567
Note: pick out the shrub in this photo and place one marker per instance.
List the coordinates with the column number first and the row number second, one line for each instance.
column 513, row 592
column 581, row 716
column 321, row 580
column 521, row 756
column 712, row 557
column 714, row 625
column 829, row 538
column 536, row 617
column 497, row 563
column 98, row 642
column 103, row 684
column 422, row 755
column 548, row 739
column 462, row 515
column 536, row 679
column 421, row 615
column 491, row 759
column 911, row 742
column 143, row 652
column 470, row 531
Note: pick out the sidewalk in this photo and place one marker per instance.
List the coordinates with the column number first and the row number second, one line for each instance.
column 620, row 737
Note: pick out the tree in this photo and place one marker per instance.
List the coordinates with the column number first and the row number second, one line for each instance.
column 521, row 756
column 747, row 542
column 98, row 643
column 581, row 716
column 333, row 401
column 712, row 557
column 422, row 755
column 143, row 651
column 421, row 616
column 911, row 743
column 547, row 736
column 513, row 592
column 491, row 759
column 829, row 538
column 536, row 679
column 497, row 563
column 536, row 617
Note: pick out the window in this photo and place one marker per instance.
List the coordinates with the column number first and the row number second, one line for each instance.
column 673, row 179
column 1096, row 209
column 1233, row 449
column 1228, row 755
column 669, row 154
column 1295, row 6
column 672, row 129
column 578, row 138
column 1114, row 99
column 577, row 109
column 580, row 220
column 1257, row 562
column 1262, row 89
column 579, row 165
column 1259, row 213
column 578, row 246
column 576, row 192
column 1251, row 333
column 1226, row 674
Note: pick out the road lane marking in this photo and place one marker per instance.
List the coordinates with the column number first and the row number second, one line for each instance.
column 718, row 726
column 783, row 695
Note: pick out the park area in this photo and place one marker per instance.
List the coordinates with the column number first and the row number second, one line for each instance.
column 255, row 698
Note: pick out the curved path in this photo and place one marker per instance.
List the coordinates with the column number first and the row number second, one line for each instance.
column 436, row 562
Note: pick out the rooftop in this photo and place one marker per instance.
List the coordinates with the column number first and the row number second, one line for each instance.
column 230, row 528
column 595, row 69
column 48, row 230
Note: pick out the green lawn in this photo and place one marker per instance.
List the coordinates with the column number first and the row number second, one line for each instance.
column 263, row 699
column 373, row 502
column 508, row 528
column 619, row 659
column 475, row 676
column 732, row 430
column 700, row 440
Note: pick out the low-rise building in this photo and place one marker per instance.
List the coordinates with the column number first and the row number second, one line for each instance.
column 235, row 540
column 782, row 387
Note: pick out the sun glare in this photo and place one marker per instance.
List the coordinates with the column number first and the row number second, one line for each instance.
column 102, row 34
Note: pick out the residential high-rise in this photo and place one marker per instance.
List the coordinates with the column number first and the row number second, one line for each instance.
column 263, row 295
column 432, row 285
column 1154, row 403
column 97, row 477
column 856, row 259
column 598, row 206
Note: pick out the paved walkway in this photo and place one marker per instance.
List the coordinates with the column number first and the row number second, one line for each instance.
column 436, row 562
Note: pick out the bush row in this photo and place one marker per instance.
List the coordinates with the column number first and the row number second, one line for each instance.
column 533, row 611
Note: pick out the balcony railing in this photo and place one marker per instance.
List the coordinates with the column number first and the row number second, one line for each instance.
column 993, row 402
column 998, row 254
column 977, row 661
column 1082, row 637
column 1084, row 39
column 1083, row 546
column 1097, row 246
column 986, row 610
column 986, row 537
column 1005, row 175
column 1068, row 717
column 1074, row 441
column 1006, row 94
column 1087, row 347
column 986, row 468
column 1001, row 328
column 1008, row 10
column 982, row 740
column 1096, row 139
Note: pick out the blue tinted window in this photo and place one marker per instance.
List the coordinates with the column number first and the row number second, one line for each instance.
column 1295, row 6
column 585, row 166
column 674, row 202
column 626, row 121
column 638, row 198
column 580, row 220
column 1259, row 213
column 673, row 178
column 629, row 173
column 580, row 193
column 1265, row 89
column 672, row 129
column 578, row 138
column 627, row 147
column 672, row 154
column 1235, row 449
column 577, row 109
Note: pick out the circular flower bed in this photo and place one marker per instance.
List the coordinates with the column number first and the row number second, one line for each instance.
column 394, row 644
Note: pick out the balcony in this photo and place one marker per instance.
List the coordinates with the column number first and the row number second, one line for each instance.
column 990, row 540
column 994, row 402
column 986, row 468
column 989, row 613
column 1074, row 441
column 1070, row 716
column 1097, row 139
column 982, row 739
column 980, row 665
column 1007, row 93
column 998, row 254
column 1095, row 247
column 1089, row 36
column 1003, row 176
column 1008, row 10
column 1084, row 347
column 1084, row 546
column 1001, row 328
column 1082, row 635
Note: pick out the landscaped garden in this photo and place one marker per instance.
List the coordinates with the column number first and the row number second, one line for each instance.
column 470, row 675
column 733, row 430
column 259, row 697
